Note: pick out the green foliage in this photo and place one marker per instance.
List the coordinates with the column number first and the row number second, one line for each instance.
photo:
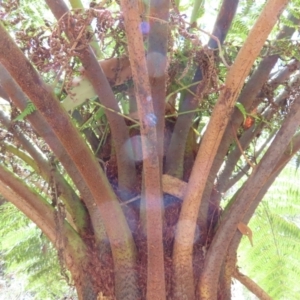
column 26, row 15
column 297, row 160
column 29, row 257
column 29, row 109
column 246, row 15
column 273, row 262
column 240, row 27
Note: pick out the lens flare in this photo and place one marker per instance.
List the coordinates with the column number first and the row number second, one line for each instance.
column 151, row 119
column 144, row 27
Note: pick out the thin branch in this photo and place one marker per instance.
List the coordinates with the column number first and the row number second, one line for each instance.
column 251, row 286
column 215, row 38
column 118, row 113
column 131, row 200
column 224, row 182
column 241, row 149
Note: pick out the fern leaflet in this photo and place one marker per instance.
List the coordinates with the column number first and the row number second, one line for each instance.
column 29, row 109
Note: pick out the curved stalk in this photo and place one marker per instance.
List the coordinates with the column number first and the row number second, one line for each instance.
column 121, row 241
column 43, row 167
column 41, row 213
column 36, row 208
column 252, row 286
column 175, row 153
column 21, row 155
column 232, row 250
column 248, row 99
column 246, row 196
column 119, row 130
column 183, row 246
column 46, row 132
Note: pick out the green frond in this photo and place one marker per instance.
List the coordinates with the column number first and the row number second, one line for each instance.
column 27, row 253
column 247, row 7
column 30, row 108
column 247, row 13
column 11, row 219
column 241, row 28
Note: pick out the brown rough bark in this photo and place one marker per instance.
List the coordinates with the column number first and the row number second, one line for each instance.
column 94, row 72
column 248, row 98
column 45, row 131
column 121, row 241
column 183, row 247
column 151, row 165
column 245, row 197
column 157, row 62
column 252, row 286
